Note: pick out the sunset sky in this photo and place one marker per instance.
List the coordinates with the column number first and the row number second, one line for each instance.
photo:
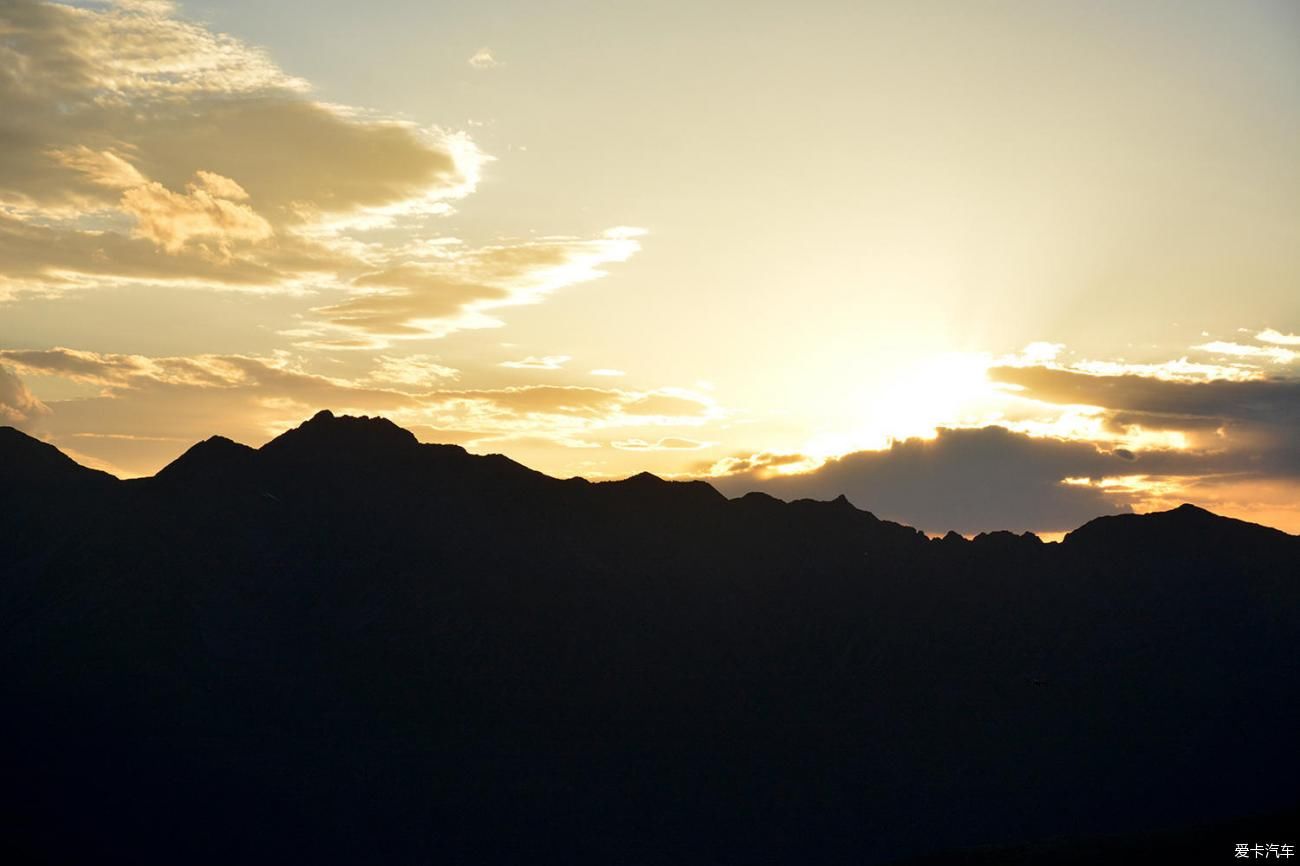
column 976, row 265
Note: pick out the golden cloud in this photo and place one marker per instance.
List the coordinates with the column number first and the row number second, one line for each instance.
column 209, row 209
column 410, row 371
column 195, row 140
column 131, row 88
column 143, row 148
column 18, row 406
column 1272, row 335
column 666, row 443
column 177, row 399
column 547, row 362
column 459, row 287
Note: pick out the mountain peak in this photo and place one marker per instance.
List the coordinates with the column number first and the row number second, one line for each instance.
column 651, row 488
column 213, row 452
column 1186, row 524
column 341, row 436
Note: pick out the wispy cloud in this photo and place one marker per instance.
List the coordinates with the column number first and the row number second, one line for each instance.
column 1269, row 335
column 1273, row 353
column 483, row 59
column 18, row 406
column 459, row 288
column 667, row 443
column 411, row 371
column 548, row 362
column 183, row 399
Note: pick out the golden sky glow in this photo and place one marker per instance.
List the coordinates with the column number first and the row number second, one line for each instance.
column 1046, row 254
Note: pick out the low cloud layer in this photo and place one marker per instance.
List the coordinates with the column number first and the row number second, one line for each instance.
column 145, row 410
column 1077, row 440
column 1250, row 426
column 968, row 480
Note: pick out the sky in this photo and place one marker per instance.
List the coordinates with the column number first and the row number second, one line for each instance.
column 975, row 265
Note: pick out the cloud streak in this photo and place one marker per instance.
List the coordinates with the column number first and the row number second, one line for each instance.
column 249, row 398
column 1255, row 421
column 547, row 362
column 459, row 287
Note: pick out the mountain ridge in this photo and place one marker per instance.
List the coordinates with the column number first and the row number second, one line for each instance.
column 352, row 646
column 326, row 435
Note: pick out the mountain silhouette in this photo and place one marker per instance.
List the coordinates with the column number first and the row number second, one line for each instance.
column 347, row 646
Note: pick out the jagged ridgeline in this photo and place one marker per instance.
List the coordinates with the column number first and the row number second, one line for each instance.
column 347, row 646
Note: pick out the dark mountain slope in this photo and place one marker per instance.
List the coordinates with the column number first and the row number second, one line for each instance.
column 28, row 461
column 44, row 494
column 207, row 460
column 347, row 646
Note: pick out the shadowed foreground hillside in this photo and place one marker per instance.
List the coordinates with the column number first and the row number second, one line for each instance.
column 346, row 646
